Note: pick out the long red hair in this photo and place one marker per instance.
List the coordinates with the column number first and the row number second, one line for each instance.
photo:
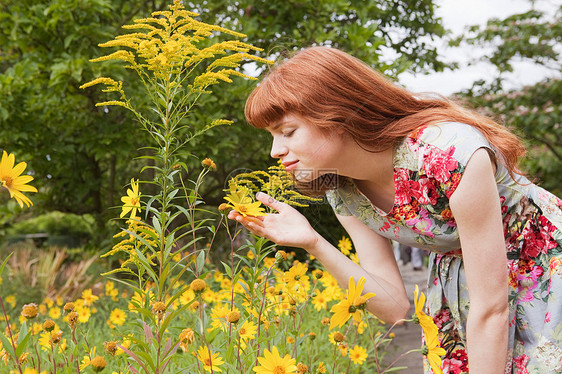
column 333, row 89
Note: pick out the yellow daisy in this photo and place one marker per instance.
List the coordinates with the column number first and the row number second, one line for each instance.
column 117, row 317
column 352, row 305
column 210, row 360
column 273, row 363
column 345, row 246
column 132, row 200
column 11, row 179
column 426, row 322
column 296, row 275
column 240, row 200
column 248, row 330
column 433, row 352
column 358, row 355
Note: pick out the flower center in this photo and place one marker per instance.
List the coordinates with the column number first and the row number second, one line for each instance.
column 242, row 331
column 7, row 181
column 208, row 362
column 279, row 370
column 242, row 209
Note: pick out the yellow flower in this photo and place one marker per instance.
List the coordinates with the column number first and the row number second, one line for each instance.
column 240, row 200
column 248, row 330
column 12, row 179
column 345, row 245
column 210, row 360
column 187, row 336
column 433, row 352
column 117, row 317
column 302, row 368
column 209, row 163
column 233, row 316
column 321, row 368
column 132, row 200
column 320, row 301
column 84, row 314
column 352, row 305
column 98, row 363
column 343, row 349
column 68, row 307
column 86, row 361
column 110, row 347
column 358, row 355
column 296, row 275
column 72, row 319
column 198, row 285
column 273, row 363
column 29, row 311
column 429, row 328
column 54, row 313
column 219, row 315
column 88, row 297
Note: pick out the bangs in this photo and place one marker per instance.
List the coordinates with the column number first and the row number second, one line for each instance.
column 271, row 100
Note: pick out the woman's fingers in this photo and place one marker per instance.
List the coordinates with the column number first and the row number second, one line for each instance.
column 271, row 202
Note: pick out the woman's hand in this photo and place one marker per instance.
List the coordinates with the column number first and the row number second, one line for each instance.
column 287, row 227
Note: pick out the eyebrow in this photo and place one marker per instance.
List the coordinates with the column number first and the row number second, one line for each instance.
column 277, row 125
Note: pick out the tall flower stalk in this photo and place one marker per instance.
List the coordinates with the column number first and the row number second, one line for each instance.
column 176, row 63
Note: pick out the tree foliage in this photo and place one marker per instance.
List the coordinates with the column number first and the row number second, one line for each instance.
column 534, row 111
column 80, row 155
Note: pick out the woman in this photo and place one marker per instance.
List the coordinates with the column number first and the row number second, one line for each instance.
column 427, row 173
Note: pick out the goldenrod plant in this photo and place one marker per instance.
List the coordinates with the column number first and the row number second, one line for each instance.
column 177, row 61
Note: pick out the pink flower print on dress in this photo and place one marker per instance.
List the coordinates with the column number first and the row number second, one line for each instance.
column 424, row 191
column 438, row 164
column 402, row 186
column 442, row 317
column 537, row 240
column 521, row 364
column 528, row 281
column 452, row 366
column 421, row 224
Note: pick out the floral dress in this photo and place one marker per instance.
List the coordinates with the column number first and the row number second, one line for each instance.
column 428, row 166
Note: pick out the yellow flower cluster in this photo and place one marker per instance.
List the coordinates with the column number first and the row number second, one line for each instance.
column 167, row 44
column 136, row 237
column 286, row 288
column 276, row 182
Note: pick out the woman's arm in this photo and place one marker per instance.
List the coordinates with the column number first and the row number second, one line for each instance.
column 288, row 227
column 476, row 207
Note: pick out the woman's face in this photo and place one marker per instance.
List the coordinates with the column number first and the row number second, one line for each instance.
column 305, row 150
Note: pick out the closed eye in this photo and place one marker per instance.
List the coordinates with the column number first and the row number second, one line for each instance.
column 288, row 134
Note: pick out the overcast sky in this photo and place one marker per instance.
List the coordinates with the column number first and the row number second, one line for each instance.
column 456, row 15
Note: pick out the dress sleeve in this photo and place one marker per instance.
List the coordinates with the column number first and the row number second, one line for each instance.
column 445, row 150
column 336, row 202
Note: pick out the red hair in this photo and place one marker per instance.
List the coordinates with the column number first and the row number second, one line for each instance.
column 333, row 89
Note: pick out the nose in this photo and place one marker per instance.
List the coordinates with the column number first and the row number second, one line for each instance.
column 278, row 149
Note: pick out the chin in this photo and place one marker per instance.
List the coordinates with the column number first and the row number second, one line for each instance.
column 304, row 176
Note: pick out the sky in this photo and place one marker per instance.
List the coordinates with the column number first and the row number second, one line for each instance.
column 456, row 15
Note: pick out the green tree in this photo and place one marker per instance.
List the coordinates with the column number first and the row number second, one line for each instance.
column 534, row 111
column 80, row 154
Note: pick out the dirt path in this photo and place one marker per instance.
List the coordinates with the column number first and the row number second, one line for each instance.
column 408, row 336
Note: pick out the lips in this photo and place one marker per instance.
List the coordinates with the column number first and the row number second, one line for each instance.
column 289, row 165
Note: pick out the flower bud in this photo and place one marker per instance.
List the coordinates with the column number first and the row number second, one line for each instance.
column 233, row 316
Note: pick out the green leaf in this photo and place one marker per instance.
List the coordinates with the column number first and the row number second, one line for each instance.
column 200, row 262
column 7, row 345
